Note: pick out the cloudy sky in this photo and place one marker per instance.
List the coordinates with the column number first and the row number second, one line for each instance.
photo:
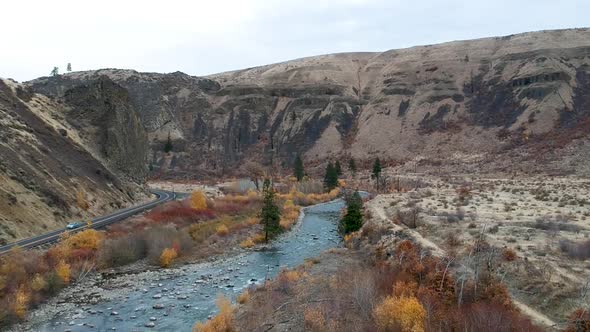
column 204, row 37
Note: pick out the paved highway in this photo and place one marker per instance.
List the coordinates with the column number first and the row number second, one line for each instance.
column 163, row 196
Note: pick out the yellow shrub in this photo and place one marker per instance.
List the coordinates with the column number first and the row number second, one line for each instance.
column 314, row 319
column 403, row 313
column 38, row 283
column 247, row 243
column 167, row 256
column 341, row 183
column 87, row 239
column 251, row 221
column 222, row 230
column 252, row 194
column 21, row 302
column 244, row 297
column 258, row 238
column 64, row 271
column 198, row 200
column 223, row 322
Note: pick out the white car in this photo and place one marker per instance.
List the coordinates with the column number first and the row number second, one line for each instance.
column 74, row 225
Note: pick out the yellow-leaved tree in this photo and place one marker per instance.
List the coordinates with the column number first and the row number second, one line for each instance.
column 400, row 313
column 198, row 200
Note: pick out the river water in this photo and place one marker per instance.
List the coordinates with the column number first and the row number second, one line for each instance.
column 188, row 294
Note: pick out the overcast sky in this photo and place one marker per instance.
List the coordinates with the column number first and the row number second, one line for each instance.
column 204, row 37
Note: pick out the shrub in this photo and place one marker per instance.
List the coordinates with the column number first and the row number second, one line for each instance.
column 403, row 313
column 509, row 255
column 38, row 283
column 244, row 297
column 89, row 239
column 314, row 319
column 198, row 201
column 247, row 243
column 579, row 320
column 21, row 302
column 64, row 271
column 222, row 230
column 577, row 250
column 122, row 250
column 167, row 256
column 223, row 322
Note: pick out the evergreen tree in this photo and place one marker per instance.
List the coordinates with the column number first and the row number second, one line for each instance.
column 376, row 169
column 55, row 71
column 270, row 215
column 352, row 166
column 338, row 168
column 331, row 177
column 353, row 219
column 299, row 172
column 168, row 145
column 69, row 67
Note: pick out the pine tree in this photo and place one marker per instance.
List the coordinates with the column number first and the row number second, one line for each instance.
column 352, row 166
column 353, row 219
column 55, row 71
column 376, row 169
column 299, row 172
column 270, row 215
column 331, row 177
column 338, row 168
column 168, row 145
column 69, row 68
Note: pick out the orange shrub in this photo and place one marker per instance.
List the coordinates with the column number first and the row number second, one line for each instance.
column 198, row 201
column 244, row 297
column 223, row 322
column 314, row 319
column 405, row 288
column 21, row 302
column 400, row 313
column 64, row 271
column 247, row 243
column 222, row 230
column 88, row 239
column 167, row 256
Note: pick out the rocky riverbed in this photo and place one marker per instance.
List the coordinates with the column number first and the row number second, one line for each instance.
column 138, row 299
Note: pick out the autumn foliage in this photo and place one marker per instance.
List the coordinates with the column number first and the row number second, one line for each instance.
column 167, row 256
column 402, row 313
column 222, row 322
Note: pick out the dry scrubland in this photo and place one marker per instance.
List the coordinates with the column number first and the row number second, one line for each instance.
column 441, row 254
column 173, row 233
column 540, row 227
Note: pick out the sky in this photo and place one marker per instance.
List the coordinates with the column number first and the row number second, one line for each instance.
column 205, row 37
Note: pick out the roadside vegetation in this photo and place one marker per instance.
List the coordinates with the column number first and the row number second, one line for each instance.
column 194, row 228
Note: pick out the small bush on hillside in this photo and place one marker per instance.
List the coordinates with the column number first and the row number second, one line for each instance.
column 223, row 322
column 400, row 313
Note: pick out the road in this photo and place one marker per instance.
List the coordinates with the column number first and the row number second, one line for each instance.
column 53, row 236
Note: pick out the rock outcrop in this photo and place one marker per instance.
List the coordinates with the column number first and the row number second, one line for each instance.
column 455, row 100
column 51, row 150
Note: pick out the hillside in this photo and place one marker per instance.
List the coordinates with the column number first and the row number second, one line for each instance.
column 52, row 149
column 461, row 101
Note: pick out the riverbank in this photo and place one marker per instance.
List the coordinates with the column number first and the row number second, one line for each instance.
column 128, row 298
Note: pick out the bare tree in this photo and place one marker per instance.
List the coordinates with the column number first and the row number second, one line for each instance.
column 255, row 172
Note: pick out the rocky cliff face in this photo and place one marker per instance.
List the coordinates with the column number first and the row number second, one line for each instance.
column 51, row 149
column 467, row 100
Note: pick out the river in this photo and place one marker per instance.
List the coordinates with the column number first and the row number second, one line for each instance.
column 179, row 298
